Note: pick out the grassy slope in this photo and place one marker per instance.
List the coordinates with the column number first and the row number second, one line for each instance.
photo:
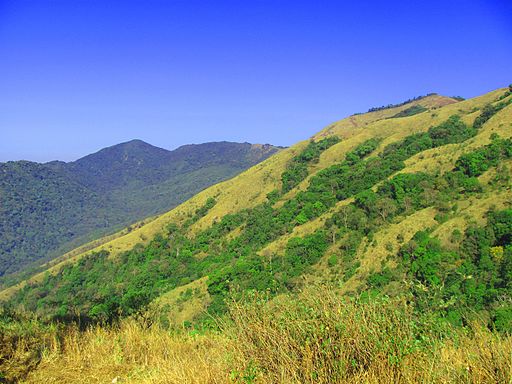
column 50, row 209
column 232, row 195
column 251, row 187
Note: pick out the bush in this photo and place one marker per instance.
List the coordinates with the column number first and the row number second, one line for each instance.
column 297, row 169
column 411, row 111
column 326, row 338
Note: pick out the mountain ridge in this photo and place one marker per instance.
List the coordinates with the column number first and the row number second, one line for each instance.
column 125, row 241
column 104, row 191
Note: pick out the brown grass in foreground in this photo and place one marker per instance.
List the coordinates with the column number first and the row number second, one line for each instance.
column 322, row 338
column 134, row 353
column 316, row 337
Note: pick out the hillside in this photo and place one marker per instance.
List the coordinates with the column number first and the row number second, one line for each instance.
column 50, row 208
column 406, row 209
column 295, row 201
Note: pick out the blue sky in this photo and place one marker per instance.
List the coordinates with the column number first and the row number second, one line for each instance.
column 76, row 76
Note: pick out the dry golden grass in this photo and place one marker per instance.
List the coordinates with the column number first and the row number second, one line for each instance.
column 443, row 158
column 21, row 343
column 313, row 337
column 322, row 338
column 134, row 353
column 386, row 242
column 470, row 211
column 183, row 303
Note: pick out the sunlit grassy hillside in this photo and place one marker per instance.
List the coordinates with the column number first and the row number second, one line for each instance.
column 379, row 250
column 249, row 188
column 49, row 209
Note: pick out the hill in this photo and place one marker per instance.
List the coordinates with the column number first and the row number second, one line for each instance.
column 297, row 198
column 51, row 208
column 378, row 250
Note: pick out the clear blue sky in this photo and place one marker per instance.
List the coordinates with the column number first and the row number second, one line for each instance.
column 76, row 76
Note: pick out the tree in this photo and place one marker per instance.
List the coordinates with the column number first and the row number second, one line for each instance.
column 385, row 208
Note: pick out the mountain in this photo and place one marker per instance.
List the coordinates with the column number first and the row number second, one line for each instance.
column 50, row 208
column 378, row 250
column 340, row 206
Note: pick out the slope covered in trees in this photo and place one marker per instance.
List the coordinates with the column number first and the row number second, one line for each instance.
column 233, row 250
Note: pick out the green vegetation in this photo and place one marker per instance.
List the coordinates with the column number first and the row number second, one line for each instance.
column 489, row 111
column 40, row 209
column 350, row 178
column 456, row 285
column 174, row 258
column 48, row 209
column 362, row 150
column 298, row 168
column 314, row 336
column 411, row 111
column 371, row 271
column 389, row 106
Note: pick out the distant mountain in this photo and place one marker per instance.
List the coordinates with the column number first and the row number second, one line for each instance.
column 49, row 208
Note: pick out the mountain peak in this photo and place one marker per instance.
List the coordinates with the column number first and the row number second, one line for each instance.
column 131, row 145
column 135, row 143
